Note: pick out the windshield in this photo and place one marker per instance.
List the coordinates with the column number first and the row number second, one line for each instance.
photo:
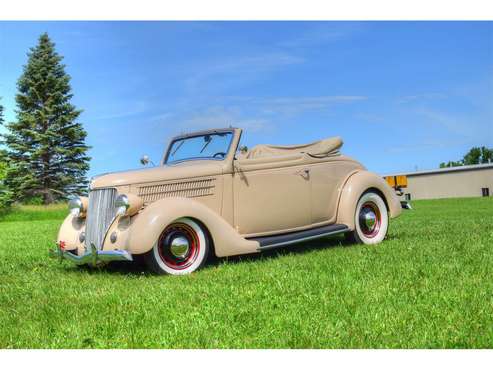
column 208, row 146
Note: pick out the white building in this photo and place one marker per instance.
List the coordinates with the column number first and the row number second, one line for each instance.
column 450, row 182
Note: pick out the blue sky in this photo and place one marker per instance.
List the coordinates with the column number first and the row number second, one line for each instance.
column 403, row 95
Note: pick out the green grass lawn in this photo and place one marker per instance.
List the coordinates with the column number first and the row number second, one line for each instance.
column 429, row 285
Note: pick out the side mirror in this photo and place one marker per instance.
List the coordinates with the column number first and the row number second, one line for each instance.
column 145, row 160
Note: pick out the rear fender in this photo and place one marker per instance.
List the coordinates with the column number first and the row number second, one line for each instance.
column 355, row 186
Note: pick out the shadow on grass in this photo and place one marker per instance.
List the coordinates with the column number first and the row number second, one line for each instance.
column 297, row 248
column 137, row 267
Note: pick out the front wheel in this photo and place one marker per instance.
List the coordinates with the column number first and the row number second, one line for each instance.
column 371, row 220
column 181, row 249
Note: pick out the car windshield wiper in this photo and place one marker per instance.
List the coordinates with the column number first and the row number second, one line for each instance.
column 205, row 145
column 178, row 147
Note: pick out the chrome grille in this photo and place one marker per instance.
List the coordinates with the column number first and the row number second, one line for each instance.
column 100, row 214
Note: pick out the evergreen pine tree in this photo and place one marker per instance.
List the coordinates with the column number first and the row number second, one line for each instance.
column 46, row 143
column 5, row 193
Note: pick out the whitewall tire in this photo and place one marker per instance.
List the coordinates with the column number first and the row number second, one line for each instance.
column 182, row 248
column 371, row 219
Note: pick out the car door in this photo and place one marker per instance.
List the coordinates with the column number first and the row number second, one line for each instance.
column 271, row 197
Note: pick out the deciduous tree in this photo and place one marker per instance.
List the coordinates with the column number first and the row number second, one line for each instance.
column 477, row 155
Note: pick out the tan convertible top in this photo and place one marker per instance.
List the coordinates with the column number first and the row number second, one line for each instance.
column 319, row 148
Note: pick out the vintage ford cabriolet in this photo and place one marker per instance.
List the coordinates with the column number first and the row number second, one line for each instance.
column 207, row 197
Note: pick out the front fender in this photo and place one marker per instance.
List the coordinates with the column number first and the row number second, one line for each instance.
column 69, row 233
column 140, row 233
column 352, row 190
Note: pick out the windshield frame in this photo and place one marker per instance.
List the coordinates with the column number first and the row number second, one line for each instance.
column 199, row 134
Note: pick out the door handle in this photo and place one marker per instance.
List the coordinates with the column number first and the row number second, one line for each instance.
column 305, row 173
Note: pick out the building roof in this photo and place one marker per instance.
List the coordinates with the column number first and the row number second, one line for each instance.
column 471, row 167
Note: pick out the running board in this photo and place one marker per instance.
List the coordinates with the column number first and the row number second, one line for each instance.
column 274, row 241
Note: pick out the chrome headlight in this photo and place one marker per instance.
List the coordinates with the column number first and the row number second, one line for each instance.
column 122, row 204
column 76, row 206
column 128, row 204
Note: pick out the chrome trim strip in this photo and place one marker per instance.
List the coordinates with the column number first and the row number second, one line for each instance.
column 294, row 241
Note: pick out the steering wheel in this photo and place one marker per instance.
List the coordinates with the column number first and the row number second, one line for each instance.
column 222, row 154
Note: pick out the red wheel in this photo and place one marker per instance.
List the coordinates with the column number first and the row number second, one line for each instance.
column 178, row 246
column 182, row 248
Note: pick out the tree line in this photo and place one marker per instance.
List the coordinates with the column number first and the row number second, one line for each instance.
column 477, row 155
column 44, row 155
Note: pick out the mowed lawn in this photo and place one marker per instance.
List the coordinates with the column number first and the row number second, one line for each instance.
column 429, row 285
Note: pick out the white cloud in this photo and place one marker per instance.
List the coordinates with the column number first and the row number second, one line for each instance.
column 220, row 117
column 239, row 69
column 252, row 113
column 216, row 117
column 258, row 62
column 469, row 128
column 421, row 97
column 453, row 124
column 298, row 105
column 254, row 125
column 322, row 33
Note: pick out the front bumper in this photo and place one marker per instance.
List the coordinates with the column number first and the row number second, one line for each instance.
column 91, row 257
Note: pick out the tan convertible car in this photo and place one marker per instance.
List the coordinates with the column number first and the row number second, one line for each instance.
column 207, row 197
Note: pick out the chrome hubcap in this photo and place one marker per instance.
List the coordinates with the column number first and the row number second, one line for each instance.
column 179, row 247
column 370, row 219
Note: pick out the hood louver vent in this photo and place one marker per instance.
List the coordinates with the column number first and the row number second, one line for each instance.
column 188, row 189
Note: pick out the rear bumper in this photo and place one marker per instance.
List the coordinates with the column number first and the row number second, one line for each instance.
column 405, row 204
column 91, row 257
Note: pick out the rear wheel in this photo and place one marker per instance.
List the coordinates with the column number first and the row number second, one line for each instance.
column 371, row 220
column 181, row 249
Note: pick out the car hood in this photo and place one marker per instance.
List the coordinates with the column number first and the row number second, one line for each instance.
column 177, row 171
